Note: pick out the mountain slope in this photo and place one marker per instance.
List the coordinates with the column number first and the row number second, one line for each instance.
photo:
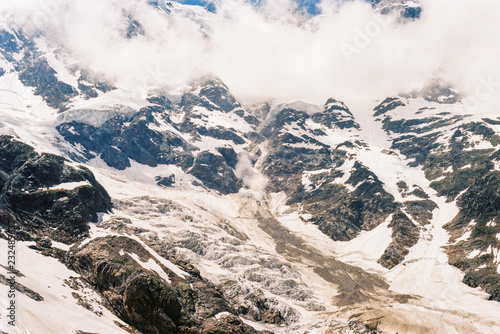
column 189, row 212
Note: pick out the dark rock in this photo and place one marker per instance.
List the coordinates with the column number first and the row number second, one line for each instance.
column 88, row 136
column 134, row 28
column 342, row 215
column 419, row 192
column 479, row 203
column 228, row 323
column 412, row 12
column 138, row 296
column 87, row 90
column 90, row 87
column 160, row 101
column 165, row 181
column 9, row 44
column 336, row 114
column 28, row 201
column 387, row 105
column 460, row 172
column 44, row 243
column 286, row 116
column 439, row 92
column 13, row 154
column 215, row 173
column 421, row 211
column 42, row 171
column 284, row 165
column 402, row 126
column 22, row 289
column 114, row 157
column 222, row 133
column 402, row 187
column 36, row 72
column 482, row 200
column 405, row 234
column 492, row 121
column 486, row 278
column 213, row 95
column 339, row 213
column 54, row 252
column 122, row 138
column 229, row 155
column 250, row 119
column 142, row 298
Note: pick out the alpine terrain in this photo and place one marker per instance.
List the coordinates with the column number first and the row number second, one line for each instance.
column 185, row 209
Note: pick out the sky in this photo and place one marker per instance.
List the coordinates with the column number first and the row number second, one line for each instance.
column 273, row 51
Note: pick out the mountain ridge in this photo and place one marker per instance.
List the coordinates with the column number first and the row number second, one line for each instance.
column 198, row 214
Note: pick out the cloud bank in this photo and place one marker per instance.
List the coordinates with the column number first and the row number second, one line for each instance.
column 273, row 50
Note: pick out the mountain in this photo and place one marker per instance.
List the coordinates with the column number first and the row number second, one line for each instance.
column 188, row 211
column 407, row 9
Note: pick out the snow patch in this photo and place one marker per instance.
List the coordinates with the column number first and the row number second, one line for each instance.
column 151, row 265
column 473, row 254
column 491, row 223
column 70, row 185
column 46, row 276
column 221, row 314
column 464, row 237
column 367, row 247
column 175, row 269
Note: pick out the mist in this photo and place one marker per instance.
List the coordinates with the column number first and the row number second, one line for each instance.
column 275, row 51
column 250, row 176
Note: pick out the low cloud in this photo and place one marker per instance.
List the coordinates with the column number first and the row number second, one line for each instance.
column 275, row 51
column 251, row 178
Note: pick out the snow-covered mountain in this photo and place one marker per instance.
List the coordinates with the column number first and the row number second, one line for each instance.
column 408, row 9
column 184, row 210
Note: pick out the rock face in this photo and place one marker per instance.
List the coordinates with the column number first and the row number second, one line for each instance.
column 227, row 323
column 439, row 92
column 405, row 234
column 215, row 173
column 140, row 297
column 459, row 155
column 335, row 114
column 211, row 94
column 210, row 104
column 122, row 138
column 479, row 212
column 142, row 291
column 342, row 214
column 406, row 9
column 165, row 181
column 35, row 71
column 310, row 169
column 150, row 137
column 43, row 195
column 388, row 104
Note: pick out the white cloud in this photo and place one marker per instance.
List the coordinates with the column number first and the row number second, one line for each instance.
column 248, row 173
column 348, row 52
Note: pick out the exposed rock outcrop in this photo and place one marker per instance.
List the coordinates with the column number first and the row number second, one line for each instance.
column 405, row 234
column 142, row 291
column 44, row 195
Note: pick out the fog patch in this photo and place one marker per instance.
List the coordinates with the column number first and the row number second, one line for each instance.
column 273, row 51
column 250, row 176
